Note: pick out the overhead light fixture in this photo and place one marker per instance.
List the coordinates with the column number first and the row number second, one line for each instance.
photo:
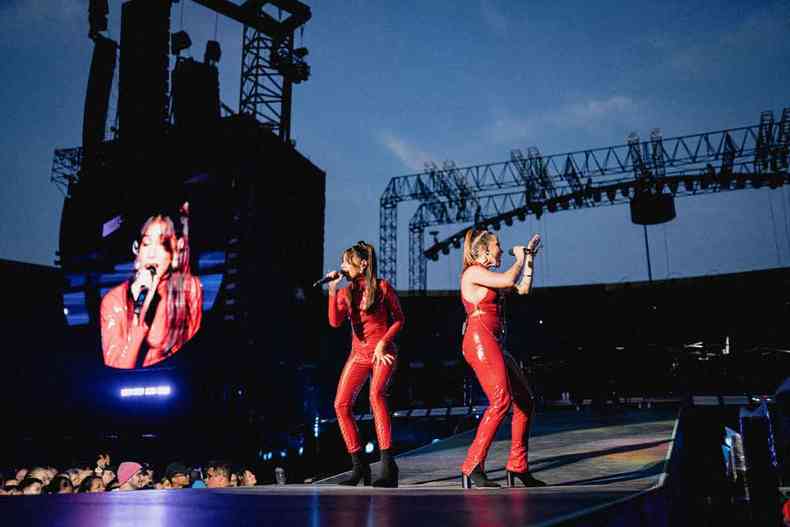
column 179, row 42
column 213, row 52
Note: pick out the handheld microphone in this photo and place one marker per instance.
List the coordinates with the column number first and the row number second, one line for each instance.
column 534, row 251
column 138, row 303
column 328, row 278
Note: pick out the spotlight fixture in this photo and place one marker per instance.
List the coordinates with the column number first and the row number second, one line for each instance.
column 611, row 193
column 179, row 42
column 552, row 206
column 213, row 52
column 445, row 249
column 509, row 221
column 456, row 243
column 624, row 191
column 521, row 216
column 497, row 225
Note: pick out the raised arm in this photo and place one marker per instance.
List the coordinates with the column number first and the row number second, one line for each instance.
column 524, row 285
column 338, row 307
column 481, row 276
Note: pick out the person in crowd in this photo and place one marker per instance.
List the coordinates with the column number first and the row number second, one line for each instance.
column 247, row 477
column 91, row 484
column 177, row 475
column 131, row 476
column 107, row 476
column 499, row 374
column 60, row 485
column 140, row 329
column 30, row 486
column 41, row 474
column 374, row 311
column 218, row 475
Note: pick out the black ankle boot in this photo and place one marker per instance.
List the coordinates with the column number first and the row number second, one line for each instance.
column 526, row 478
column 360, row 470
column 477, row 479
column 389, row 471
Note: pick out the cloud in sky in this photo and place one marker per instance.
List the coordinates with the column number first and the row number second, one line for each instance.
column 587, row 114
column 492, row 17
column 755, row 35
column 410, row 155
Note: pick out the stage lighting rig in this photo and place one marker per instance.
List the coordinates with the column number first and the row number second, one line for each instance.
column 213, row 53
column 179, row 42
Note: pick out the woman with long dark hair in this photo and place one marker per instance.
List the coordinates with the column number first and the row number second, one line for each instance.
column 139, row 333
column 374, row 310
column 500, row 376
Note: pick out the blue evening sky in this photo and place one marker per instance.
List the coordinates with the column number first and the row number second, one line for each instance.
column 396, row 84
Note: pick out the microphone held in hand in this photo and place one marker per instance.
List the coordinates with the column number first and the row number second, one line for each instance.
column 138, row 303
column 334, row 275
column 526, row 250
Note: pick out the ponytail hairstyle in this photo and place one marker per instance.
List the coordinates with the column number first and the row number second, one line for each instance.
column 475, row 243
column 362, row 251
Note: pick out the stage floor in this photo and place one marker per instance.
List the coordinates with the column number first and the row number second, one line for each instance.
column 590, row 461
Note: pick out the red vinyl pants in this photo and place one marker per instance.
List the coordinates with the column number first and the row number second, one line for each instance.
column 351, row 381
column 505, row 385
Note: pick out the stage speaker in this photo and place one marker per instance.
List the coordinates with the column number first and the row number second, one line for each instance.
column 195, row 96
column 143, row 79
column 652, row 209
column 97, row 96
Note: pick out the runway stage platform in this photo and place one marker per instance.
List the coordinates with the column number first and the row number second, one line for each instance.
column 598, row 467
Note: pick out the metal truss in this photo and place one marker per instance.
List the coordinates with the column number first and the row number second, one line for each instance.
column 270, row 66
column 493, row 193
column 66, row 166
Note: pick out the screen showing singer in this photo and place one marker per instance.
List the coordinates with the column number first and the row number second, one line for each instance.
column 150, row 316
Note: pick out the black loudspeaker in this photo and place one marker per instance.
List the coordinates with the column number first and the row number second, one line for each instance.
column 652, row 209
column 195, row 96
column 97, row 96
column 143, row 79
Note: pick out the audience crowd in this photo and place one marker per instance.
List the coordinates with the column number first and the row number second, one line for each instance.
column 128, row 475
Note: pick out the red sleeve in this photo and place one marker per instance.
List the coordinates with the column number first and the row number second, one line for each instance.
column 338, row 308
column 120, row 343
column 395, row 312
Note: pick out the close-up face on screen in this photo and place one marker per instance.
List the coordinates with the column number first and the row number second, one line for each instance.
column 149, row 295
column 150, row 316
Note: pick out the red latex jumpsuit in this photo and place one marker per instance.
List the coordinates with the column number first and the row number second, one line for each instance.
column 502, row 381
column 381, row 323
column 122, row 340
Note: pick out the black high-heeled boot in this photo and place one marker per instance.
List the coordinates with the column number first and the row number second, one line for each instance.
column 526, row 478
column 478, row 479
column 360, row 470
column 389, row 471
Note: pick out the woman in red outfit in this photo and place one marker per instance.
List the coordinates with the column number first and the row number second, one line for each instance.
column 500, row 376
column 376, row 317
column 140, row 334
